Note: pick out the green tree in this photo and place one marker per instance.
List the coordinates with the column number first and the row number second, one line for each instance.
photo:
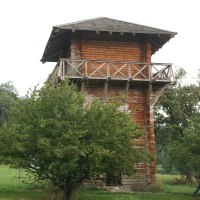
column 174, row 111
column 8, row 96
column 185, row 152
column 57, row 135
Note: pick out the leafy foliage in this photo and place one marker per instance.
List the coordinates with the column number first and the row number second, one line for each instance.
column 58, row 136
column 8, row 96
column 175, row 113
column 185, row 151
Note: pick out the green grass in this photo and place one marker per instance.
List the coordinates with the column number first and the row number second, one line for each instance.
column 123, row 196
column 14, row 188
column 13, row 179
column 174, row 184
column 24, row 195
column 14, row 185
column 9, row 179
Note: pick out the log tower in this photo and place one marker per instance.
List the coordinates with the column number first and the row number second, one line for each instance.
column 111, row 57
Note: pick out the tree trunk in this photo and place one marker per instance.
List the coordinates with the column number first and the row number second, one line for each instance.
column 189, row 176
column 67, row 193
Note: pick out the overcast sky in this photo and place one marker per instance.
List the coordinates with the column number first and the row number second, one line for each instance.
column 26, row 26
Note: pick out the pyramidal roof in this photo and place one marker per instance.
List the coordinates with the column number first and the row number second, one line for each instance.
column 111, row 25
column 61, row 34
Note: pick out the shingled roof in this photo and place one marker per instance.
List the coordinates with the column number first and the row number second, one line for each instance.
column 59, row 34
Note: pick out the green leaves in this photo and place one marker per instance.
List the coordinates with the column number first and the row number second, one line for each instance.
column 187, row 148
column 8, row 97
column 62, row 138
column 176, row 111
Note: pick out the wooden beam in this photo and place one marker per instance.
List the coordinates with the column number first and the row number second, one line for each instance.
column 156, row 95
column 105, row 88
column 82, row 86
column 139, row 71
column 127, row 87
column 51, row 55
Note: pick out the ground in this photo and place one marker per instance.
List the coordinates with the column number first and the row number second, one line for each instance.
column 168, row 187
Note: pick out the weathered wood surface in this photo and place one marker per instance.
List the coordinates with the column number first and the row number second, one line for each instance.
column 98, row 69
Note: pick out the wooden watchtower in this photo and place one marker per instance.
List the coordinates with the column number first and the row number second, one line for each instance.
column 110, row 57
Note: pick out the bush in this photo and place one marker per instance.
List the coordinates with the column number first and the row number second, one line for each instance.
column 139, row 187
column 155, row 187
column 178, row 180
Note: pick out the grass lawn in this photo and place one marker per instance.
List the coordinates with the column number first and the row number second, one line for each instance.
column 145, row 196
column 13, row 188
column 171, row 184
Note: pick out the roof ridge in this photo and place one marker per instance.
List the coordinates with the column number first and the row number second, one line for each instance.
column 79, row 21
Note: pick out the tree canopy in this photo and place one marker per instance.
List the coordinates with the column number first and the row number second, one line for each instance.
column 56, row 134
column 8, row 96
column 175, row 112
column 185, row 152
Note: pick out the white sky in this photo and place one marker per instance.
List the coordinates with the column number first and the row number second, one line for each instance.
column 25, row 26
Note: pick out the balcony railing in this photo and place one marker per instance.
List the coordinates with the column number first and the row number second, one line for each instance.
column 113, row 70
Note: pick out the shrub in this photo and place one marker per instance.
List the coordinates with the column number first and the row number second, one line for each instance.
column 155, row 187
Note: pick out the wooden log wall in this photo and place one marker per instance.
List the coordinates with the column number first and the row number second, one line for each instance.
column 110, row 47
column 116, row 47
column 93, row 46
column 136, row 100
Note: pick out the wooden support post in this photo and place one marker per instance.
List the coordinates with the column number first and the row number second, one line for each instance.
column 82, row 86
column 150, row 145
column 59, row 72
column 146, row 118
column 105, row 89
column 63, row 68
column 157, row 94
column 127, row 87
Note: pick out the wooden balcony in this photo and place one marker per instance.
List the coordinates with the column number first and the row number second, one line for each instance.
column 91, row 70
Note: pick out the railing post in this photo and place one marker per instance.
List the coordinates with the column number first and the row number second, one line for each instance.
column 86, row 69
column 129, row 71
column 150, row 72
column 172, row 78
column 59, row 73
column 108, row 70
column 63, row 68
